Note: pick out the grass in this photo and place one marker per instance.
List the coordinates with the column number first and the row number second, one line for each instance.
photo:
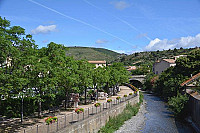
column 90, row 53
column 116, row 122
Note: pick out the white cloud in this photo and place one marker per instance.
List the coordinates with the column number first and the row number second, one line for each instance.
column 44, row 29
column 120, row 5
column 120, row 51
column 165, row 44
column 101, row 41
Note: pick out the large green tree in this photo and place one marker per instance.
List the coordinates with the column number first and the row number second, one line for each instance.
column 169, row 81
column 84, row 72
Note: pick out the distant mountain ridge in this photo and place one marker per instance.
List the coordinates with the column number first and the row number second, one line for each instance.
column 91, row 53
column 149, row 57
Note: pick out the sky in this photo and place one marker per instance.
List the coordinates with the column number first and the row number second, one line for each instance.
column 125, row 26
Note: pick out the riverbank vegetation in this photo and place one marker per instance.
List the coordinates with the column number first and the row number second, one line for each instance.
column 177, row 104
column 116, row 122
column 35, row 79
column 168, row 83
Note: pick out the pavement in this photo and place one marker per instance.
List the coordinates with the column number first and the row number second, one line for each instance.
column 14, row 124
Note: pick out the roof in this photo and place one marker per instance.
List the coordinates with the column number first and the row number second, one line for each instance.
column 172, row 61
column 181, row 56
column 97, row 62
column 191, row 79
column 129, row 68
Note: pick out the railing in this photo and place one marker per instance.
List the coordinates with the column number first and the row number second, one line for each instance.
column 73, row 117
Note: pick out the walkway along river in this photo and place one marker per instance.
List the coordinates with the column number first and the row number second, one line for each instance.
column 154, row 117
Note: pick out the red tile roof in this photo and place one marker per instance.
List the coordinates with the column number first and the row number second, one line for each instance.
column 131, row 68
column 97, row 62
column 191, row 79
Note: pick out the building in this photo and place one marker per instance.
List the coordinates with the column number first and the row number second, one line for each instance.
column 162, row 65
column 98, row 63
column 130, row 68
column 191, row 83
column 178, row 56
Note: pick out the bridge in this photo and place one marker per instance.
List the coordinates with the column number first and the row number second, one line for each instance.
column 139, row 78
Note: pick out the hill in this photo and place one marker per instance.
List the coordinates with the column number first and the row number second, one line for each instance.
column 90, row 53
column 149, row 57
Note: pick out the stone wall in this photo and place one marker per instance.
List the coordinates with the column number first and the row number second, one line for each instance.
column 95, row 122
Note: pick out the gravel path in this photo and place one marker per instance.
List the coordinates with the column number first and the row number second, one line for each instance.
column 136, row 123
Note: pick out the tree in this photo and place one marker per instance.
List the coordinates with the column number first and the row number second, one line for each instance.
column 67, row 77
column 169, row 81
column 15, row 47
column 190, row 64
column 118, row 74
column 85, row 78
column 99, row 78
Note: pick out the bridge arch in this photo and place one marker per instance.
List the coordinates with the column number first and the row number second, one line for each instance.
column 139, row 78
column 136, row 83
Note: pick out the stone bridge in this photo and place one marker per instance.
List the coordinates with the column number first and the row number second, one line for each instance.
column 139, row 78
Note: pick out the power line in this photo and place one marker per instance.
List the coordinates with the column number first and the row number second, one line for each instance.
column 80, row 21
column 123, row 21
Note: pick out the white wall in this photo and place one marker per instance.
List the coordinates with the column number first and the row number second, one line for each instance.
column 161, row 67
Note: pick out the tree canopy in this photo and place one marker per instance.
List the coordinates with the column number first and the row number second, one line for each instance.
column 46, row 76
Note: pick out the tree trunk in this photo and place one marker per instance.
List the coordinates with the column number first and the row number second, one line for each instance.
column 22, row 109
column 107, row 89
column 39, row 109
column 114, row 87
column 0, row 100
column 85, row 95
column 97, row 93
column 66, row 99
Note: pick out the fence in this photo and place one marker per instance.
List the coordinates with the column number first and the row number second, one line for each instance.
column 73, row 117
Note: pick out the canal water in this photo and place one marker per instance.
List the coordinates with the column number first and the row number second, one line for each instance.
column 159, row 119
column 154, row 117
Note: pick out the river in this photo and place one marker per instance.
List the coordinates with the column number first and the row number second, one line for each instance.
column 154, row 117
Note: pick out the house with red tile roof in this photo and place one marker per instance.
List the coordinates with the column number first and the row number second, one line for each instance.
column 162, row 65
column 98, row 63
column 191, row 80
column 130, row 68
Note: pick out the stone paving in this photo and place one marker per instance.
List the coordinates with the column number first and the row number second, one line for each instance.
column 14, row 125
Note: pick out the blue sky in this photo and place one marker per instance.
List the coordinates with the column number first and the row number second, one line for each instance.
column 121, row 25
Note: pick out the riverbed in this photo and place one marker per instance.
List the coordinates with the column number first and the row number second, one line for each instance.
column 154, row 117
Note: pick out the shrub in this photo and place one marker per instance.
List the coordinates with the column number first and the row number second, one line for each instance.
column 116, row 122
column 133, row 87
column 125, row 95
column 118, row 97
column 130, row 93
column 79, row 110
column 177, row 104
column 109, row 100
column 50, row 120
column 97, row 104
column 141, row 97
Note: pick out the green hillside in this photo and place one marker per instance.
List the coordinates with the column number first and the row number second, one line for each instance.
column 90, row 53
column 150, row 57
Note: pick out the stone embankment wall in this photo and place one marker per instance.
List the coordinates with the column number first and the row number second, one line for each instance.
column 94, row 123
column 194, row 109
